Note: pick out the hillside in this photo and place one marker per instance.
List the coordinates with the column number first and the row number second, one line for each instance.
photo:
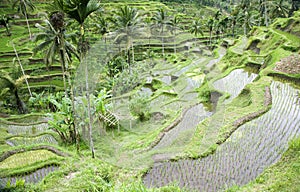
column 154, row 106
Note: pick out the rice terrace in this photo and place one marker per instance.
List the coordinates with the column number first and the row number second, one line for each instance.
column 150, row 95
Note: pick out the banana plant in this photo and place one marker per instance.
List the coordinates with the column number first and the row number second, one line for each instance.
column 63, row 120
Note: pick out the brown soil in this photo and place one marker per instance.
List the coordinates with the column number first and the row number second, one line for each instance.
column 290, row 64
column 4, row 115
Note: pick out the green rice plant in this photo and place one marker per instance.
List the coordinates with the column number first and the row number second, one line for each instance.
column 248, row 151
column 139, row 106
column 23, row 140
column 26, row 158
column 27, row 129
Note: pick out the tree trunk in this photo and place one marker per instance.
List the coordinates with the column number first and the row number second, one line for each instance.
column 132, row 48
column 20, row 104
column 30, row 36
column 75, row 132
column 21, row 66
column 128, row 56
column 174, row 41
column 245, row 29
column 162, row 46
column 210, row 34
column 266, row 15
column 90, row 126
column 83, row 132
column 63, row 70
column 162, row 41
column 89, row 112
column 7, row 30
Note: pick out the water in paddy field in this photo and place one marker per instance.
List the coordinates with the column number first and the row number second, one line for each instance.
column 27, row 129
column 46, row 138
column 33, row 177
column 190, row 120
column 234, row 82
column 253, row 147
column 222, row 52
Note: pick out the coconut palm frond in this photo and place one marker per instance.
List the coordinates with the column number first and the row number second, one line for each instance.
column 21, row 80
column 5, row 76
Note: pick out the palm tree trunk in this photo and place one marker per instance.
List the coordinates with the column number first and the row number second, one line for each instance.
column 245, row 29
column 163, row 46
column 210, row 34
column 75, row 137
column 162, row 41
column 21, row 66
column 63, row 71
column 90, row 128
column 89, row 112
column 128, row 56
column 266, row 15
column 30, row 36
column 7, row 30
column 174, row 41
column 132, row 48
column 20, row 104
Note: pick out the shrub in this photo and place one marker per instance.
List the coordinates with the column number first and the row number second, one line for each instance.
column 139, row 106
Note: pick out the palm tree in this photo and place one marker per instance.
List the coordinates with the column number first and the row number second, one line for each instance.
column 80, row 10
column 174, row 25
column 161, row 20
column 233, row 18
column 280, row 9
column 103, row 27
column 54, row 42
column 217, row 16
column 264, row 12
column 23, row 6
column 294, row 7
column 223, row 25
column 127, row 23
column 247, row 20
column 4, row 20
column 196, row 28
column 13, row 82
column 210, row 24
column 148, row 21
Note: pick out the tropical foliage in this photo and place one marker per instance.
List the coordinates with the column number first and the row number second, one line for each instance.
column 117, row 80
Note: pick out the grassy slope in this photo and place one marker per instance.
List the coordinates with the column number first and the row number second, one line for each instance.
column 102, row 176
column 86, row 167
column 274, row 44
column 285, row 174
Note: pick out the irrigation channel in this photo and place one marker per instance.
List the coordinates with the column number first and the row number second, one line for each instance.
column 248, row 151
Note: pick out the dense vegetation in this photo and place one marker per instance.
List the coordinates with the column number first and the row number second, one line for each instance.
column 144, row 95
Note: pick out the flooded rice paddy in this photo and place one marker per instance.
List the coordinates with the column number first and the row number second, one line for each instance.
column 234, row 82
column 190, row 120
column 253, row 147
column 46, row 138
column 33, row 177
column 27, row 129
